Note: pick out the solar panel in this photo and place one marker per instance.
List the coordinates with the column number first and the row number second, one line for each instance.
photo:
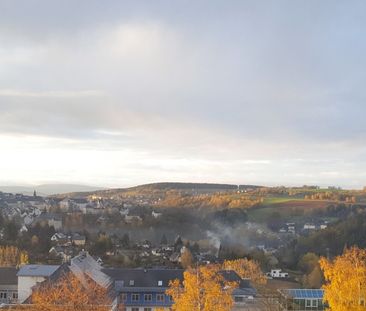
column 304, row 293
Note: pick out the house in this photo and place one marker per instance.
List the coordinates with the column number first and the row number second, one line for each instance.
column 156, row 214
column 30, row 275
column 65, row 204
column 78, row 239
column 277, row 273
column 143, row 289
column 65, row 253
column 52, row 220
column 309, row 226
column 59, row 237
column 8, row 285
column 301, row 299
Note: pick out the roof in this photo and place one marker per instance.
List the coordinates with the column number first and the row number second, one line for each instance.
column 144, row 277
column 303, row 293
column 37, row 270
column 8, row 276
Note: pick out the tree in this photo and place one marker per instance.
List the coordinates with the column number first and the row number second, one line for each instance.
column 345, row 277
column 309, row 264
column 69, row 293
column 186, row 258
column 246, row 269
column 203, row 289
column 164, row 240
column 11, row 256
column 125, row 241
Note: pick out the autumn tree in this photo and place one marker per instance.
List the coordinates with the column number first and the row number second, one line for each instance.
column 309, row 265
column 11, row 256
column 345, row 276
column 203, row 289
column 246, row 269
column 186, row 258
column 71, row 293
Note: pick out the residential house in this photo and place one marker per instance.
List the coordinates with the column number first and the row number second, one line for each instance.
column 301, row 299
column 30, row 275
column 78, row 239
column 8, row 285
column 53, row 220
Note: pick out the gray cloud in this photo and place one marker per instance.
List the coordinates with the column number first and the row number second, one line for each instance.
column 203, row 81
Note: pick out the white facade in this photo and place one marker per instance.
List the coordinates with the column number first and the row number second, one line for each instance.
column 25, row 284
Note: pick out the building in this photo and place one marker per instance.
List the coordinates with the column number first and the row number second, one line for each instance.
column 31, row 275
column 8, row 285
column 301, row 299
column 143, row 289
column 52, row 220
column 277, row 273
column 78, row 239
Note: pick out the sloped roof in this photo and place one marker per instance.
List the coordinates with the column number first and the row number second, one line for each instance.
column 8, row 276
column 37, row 270
column 144, row 277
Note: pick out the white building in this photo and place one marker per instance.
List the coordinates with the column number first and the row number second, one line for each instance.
column 30, row 275
column 277, row 273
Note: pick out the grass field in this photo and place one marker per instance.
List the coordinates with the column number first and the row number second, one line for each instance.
column 288, row 209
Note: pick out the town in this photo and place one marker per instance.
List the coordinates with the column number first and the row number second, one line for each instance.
column 129, row 236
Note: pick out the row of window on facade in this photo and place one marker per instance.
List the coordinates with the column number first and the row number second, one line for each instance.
column 147, row 297
column 7, row 295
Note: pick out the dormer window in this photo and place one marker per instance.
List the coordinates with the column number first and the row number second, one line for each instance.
column 132, row 283
column 160, row 283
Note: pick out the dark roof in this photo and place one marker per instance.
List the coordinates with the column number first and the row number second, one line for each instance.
column 8, row 276
column 144, row 277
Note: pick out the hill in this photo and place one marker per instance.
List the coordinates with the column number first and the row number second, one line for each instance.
column 49, row 189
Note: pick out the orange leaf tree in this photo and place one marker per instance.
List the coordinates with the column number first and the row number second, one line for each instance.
column 69, row 293
column 345, row 276
column 246, row 269
column 203, row 289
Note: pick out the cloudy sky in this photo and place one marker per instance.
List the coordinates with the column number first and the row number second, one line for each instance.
column 118, row 93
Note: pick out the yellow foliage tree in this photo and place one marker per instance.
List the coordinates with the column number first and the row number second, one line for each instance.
column 203, row 289
column 246, row 269
column 345, row 276
column 11, row 256
column 69, row 293
column 186, row 258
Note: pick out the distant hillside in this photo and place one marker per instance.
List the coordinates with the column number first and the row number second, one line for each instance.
column 49, row 189
column 164, row 187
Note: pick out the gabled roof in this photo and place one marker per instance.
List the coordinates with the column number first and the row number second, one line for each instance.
column 144, row 277
column 8, row 276
column 37, row 270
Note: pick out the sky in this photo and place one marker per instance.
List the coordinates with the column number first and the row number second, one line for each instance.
column 118, row 93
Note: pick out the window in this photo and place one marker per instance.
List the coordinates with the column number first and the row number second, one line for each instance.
column 160, row 283
column 15, row 295
column 135, row 297
column 132, row 282
column 170, row 298
column 3, row 295
column 160, row 298
column 123, row 297
column 134, row 309
column 147, row 309
column 239, row 299
column 311, row 303
column 147, row 297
